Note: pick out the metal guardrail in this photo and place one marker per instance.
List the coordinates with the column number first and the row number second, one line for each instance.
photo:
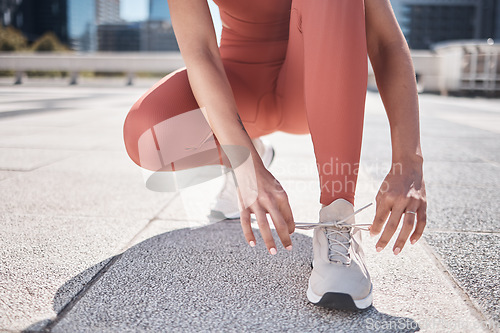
column 74, row 63
column 465, row 66
column 469, row 66
column 425, row 63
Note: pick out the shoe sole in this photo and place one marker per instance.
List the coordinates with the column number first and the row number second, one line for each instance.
column 273, row 152
column 340, row 301
column 218, row 215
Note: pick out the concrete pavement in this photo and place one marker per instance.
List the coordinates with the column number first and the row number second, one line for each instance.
column 86, row 247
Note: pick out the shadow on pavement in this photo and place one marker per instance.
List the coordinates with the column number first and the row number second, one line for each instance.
column 208, row 279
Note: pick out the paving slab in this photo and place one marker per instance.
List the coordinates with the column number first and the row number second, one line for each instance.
column 69, row 219
column 27, row 159
column 88, row 184
column 8, row 174
column 460, row 104
column 464, row 175
column 43, row 256
column 435, row 149
column 461, row 169
column 52, row 116
column 474, row 259
column 60, row 138
column 193, row 203
column 302, row 167
column 208, row 279
column 463, row 209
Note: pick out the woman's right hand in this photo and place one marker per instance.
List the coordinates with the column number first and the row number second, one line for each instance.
column 261, row 194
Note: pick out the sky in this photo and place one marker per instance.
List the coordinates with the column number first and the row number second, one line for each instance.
column 137, row 10
column 134, row 10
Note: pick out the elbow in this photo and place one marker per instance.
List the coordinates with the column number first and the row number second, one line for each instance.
column 199, row 54
column 394, row 53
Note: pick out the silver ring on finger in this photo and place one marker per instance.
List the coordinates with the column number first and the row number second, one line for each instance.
column 410, row 212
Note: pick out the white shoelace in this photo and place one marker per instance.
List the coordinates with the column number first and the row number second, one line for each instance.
column 338, row 234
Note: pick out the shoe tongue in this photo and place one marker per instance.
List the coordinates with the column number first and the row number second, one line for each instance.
column 336, row 211
column 336, row 237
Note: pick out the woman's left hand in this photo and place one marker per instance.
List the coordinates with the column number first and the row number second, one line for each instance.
column 401, row 194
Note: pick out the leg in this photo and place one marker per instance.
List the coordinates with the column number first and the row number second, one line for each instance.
column 290, row 83
column 148, row 142
column 166, row 131
column 324, row 78
column 335, row 75
column 335, row 60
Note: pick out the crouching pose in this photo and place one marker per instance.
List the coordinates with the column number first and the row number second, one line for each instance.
column 297, row 66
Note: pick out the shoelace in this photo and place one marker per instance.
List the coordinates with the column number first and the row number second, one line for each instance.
column 341, row 229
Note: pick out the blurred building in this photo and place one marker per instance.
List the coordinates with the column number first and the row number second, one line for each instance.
column 36, row 17
column 119, row 37
column 74, row 22
column 147, row 36
column 84, row 17
column 425, row 22
column 158, row 36
column 81, row 27
column 7, row 11
column 107, row 11
column 91, row 25
column 157, row 31
column 158, row 10
column 153, row 35
column 497, row 25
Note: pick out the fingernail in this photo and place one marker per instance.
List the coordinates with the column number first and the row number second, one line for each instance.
column 397, row 251
column 289, row 248
column 413, row 241
column 372, row 234
column 380, row 248
column 252, row 243
column 273, row 251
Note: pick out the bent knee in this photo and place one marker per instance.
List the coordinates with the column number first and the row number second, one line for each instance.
column 170, row 97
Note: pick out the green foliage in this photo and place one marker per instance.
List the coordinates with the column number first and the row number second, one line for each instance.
column 12, row 39
column 48, row 42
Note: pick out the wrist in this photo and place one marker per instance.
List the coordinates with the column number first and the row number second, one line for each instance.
column 408, row 156
column 408, row 163
column 409, row 159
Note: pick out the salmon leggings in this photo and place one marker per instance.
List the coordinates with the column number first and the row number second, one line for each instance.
column 301, row 70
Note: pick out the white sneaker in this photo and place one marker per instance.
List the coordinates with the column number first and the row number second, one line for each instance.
column 339, row 278
column 226, row 205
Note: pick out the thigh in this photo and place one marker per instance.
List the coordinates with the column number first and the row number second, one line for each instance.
column 253, row 89
column 290, row 83
column 165, row 127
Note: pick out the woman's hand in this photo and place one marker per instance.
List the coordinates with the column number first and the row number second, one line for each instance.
column 260, row 193
column 403, row 190
column 401, row 193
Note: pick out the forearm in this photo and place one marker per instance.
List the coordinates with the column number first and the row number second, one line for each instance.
column 195, row 36
column 395, row 78
column 213, row 93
